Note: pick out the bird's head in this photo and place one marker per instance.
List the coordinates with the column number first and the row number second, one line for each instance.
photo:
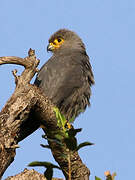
column 65, row 39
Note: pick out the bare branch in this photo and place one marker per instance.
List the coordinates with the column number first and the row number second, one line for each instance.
column 12, row 60
column 26, row 62
column 30, row 175
column 24, row 112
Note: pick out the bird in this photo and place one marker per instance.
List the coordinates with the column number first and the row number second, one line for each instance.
column 66, row 78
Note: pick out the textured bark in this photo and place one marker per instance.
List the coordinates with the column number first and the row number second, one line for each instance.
column 24, row 112
column 29, row 175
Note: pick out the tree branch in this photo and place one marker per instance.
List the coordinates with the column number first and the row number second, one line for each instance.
column 29, row 175
column 24, row 112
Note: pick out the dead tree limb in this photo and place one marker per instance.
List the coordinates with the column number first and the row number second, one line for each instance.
column 29, row 175
column 24, row 112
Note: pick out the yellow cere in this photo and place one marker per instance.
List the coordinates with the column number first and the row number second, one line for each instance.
column 57, row 42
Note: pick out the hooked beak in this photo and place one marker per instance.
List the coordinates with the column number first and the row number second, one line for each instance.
column 50, row 47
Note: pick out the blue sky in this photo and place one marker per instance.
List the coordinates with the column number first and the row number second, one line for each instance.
column 107, row 28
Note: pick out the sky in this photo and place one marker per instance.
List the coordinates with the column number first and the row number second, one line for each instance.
column 107, row 28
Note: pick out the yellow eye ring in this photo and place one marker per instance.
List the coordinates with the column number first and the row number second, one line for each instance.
column 58, row 41
column 55, row 44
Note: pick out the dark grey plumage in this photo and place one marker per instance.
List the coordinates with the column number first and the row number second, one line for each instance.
column 67, row 76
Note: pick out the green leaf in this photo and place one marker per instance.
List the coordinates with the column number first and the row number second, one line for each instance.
column 59, row 137
column 45, row 164
column 97, row 178
column 60, row 118
column 36, row 163
column 48, row 173
column 56, row 110
column 71, row 143
column 63, row 120
column 72, row 119
column 72, row 132
column 52, row 140
column 84, row 144
column 45, row 146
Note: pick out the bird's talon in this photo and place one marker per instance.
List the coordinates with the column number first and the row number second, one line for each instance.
column 69, row 126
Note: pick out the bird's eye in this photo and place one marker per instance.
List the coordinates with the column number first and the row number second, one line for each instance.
column 59, row 40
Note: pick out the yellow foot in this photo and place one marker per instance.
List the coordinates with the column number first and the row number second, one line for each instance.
column 69, row 126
